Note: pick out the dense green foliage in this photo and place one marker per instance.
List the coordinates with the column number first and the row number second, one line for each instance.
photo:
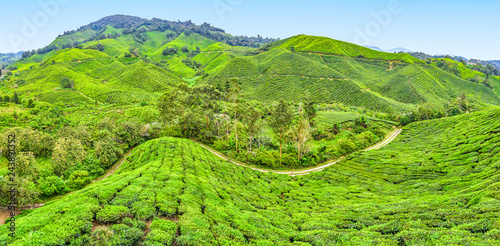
column 61, row 149
column 125, row 94
column 435, row 185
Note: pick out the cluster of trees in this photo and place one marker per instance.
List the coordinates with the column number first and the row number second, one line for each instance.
column 55, row 155
column 218, row 116
column 40, row 51
column 170, row 51
column 486, row 69
column 67, row 83
column 275, row 135
column 140, row 37
column 14, row 99
column 428, row 111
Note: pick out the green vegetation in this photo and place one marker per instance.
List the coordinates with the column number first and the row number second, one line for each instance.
column 108, row 120
column 437, row 184
column 326, row 46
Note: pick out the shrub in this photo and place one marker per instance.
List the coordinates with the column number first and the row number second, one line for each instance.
column 162, row 232
column 112, row 213
column 51, row 185
column 78, row 179
column 125, row 235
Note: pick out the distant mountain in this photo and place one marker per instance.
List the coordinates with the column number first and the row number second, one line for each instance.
column 375, row 48
column 395, row 50
column 9, row 58
column 127, row 60
column 424, row 56
column 119, row 25
column 398, row 50
column 495, row 63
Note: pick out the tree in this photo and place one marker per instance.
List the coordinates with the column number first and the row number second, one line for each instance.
column 310, row 110
column 31, row 103
column 26, row 192
column 67, row 83
column 107, row 151
column 281, row 119
column 15, row 98
column 51, row 185
column 172, row 104
column 26, row 165
column 67, row 152
column 303, row 134
column 78, row 179
column 185, row 49
column 208, row 98
column 170, row 51
column 252, row 115
column 233, row 96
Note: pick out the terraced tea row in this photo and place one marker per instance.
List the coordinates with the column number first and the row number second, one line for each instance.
column 436, row 184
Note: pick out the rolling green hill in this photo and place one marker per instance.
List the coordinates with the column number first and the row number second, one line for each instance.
column 437, row 184
column 126, row 57
column 329, row 76
column 327, row 46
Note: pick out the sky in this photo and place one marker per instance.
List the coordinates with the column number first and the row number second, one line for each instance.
column 458, row 27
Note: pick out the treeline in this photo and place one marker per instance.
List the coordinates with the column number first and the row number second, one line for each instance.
column 429, row 111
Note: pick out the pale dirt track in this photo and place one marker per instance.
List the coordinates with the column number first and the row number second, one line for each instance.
column 310, row 170
column 291, row 172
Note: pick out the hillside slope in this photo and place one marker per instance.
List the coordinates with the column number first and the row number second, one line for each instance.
column 333, row 71
column 437, row 184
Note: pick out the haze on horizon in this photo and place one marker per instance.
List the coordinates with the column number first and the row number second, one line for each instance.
column 459, row 27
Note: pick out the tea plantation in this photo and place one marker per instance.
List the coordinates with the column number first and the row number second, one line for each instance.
column 437, row 184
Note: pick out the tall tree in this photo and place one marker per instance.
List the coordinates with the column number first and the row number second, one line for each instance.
column 252, row 115
column 15, row 98
column 281, row 120
column 310, row 110
column 67, row 152
column 171, row 104
column 234, row 97
column 209, row 98
column 303, row 134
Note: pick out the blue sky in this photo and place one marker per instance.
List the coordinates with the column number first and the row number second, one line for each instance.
column 468, row 28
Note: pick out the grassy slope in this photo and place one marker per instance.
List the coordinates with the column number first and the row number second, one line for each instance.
column 304, row 43
column 466, row 73
column 79, row 36
column 374, row 84
column 395, row 80
column 324, row 69
column 99, row 77
column 437, row 184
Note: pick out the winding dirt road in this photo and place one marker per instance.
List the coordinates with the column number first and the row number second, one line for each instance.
column 291, row 172
column 388, row 140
